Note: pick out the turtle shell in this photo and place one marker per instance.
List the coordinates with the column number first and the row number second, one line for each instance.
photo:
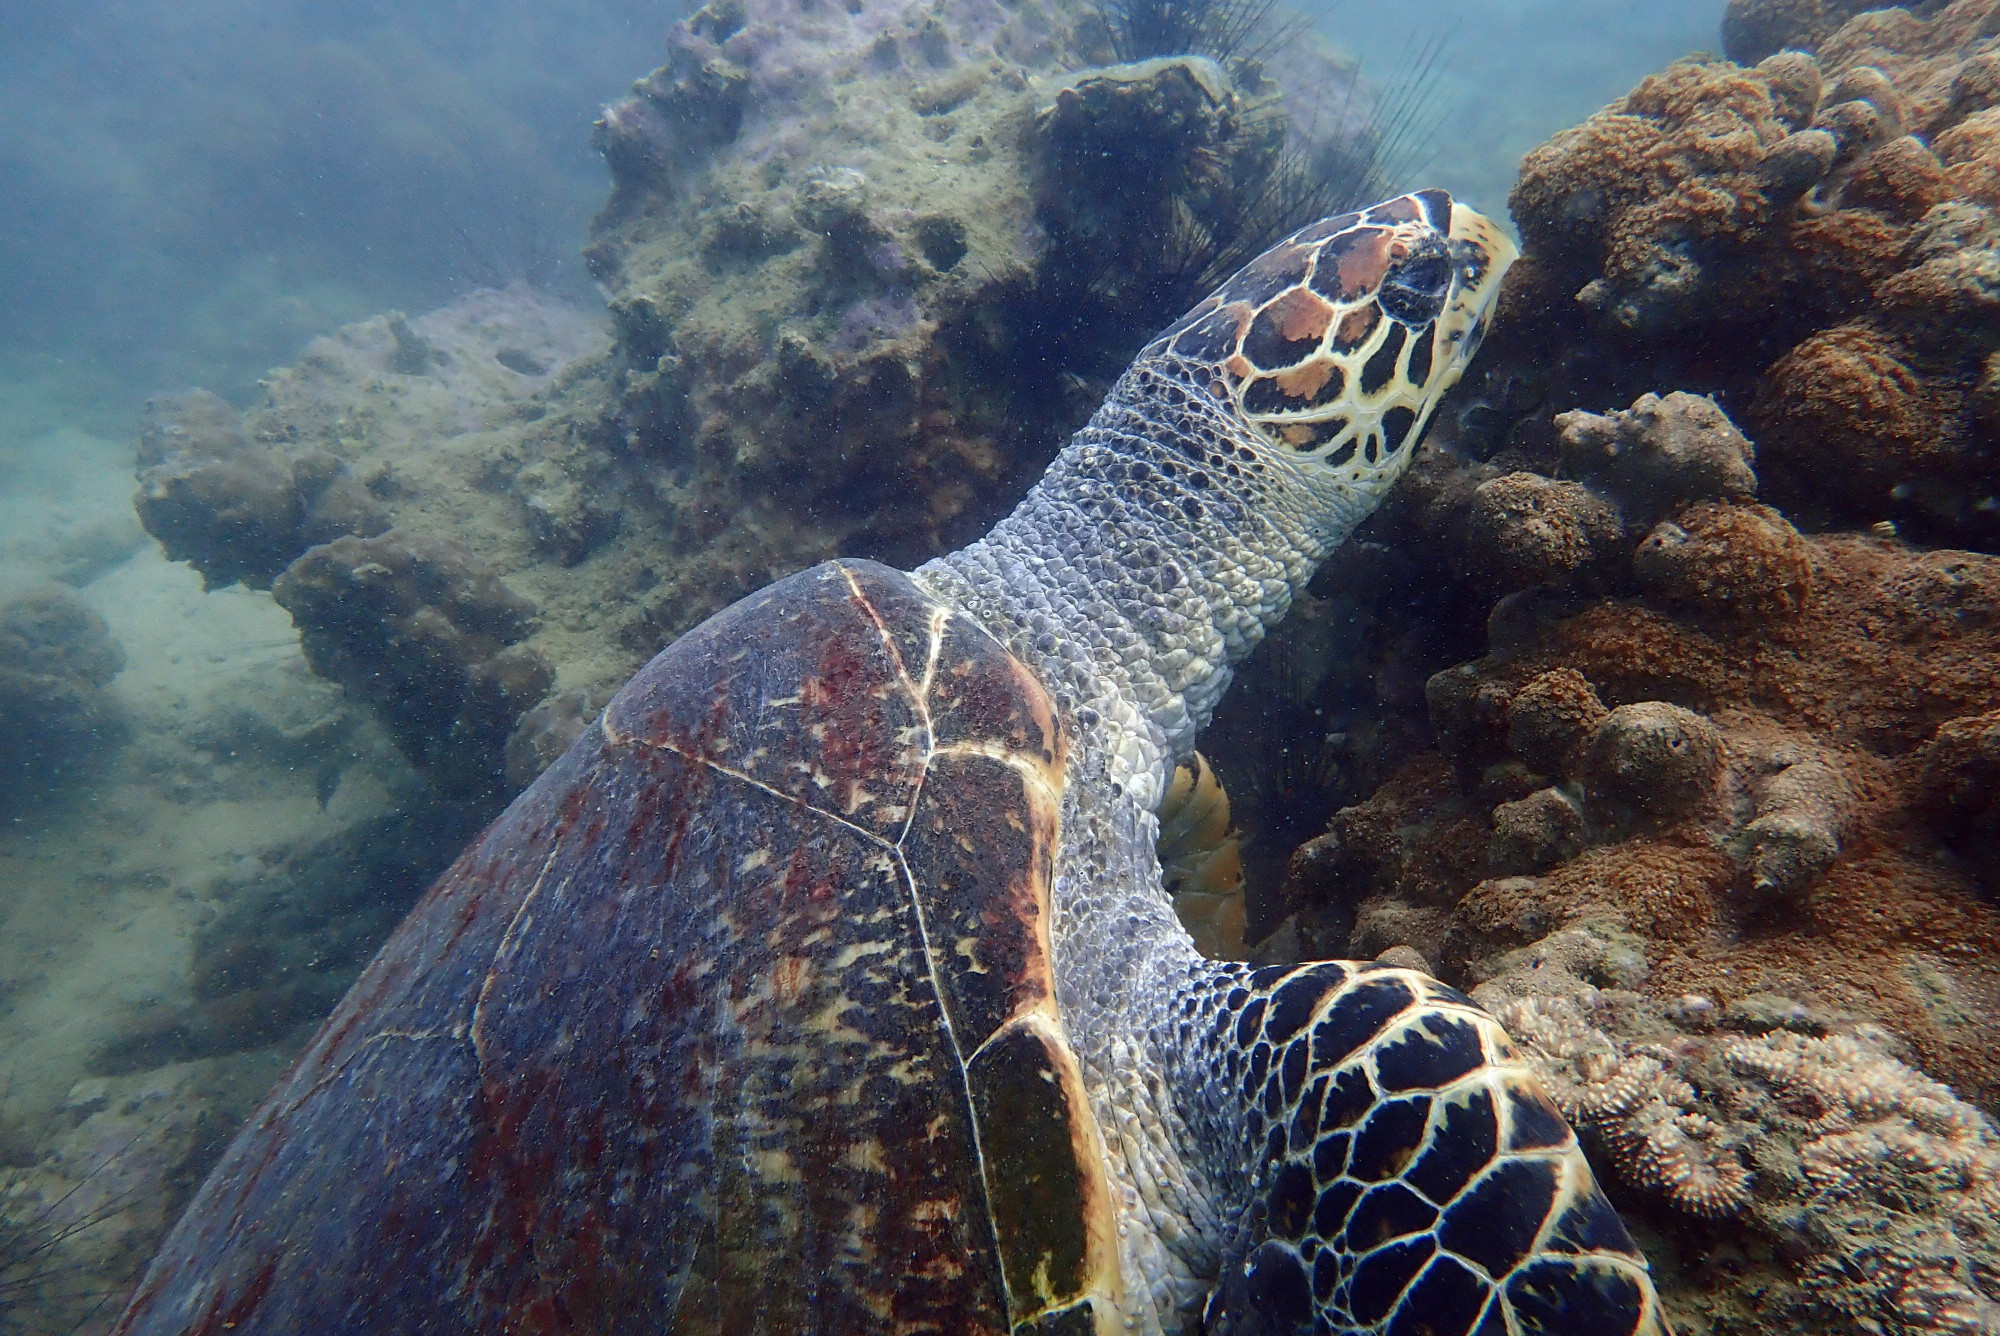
column 740, row 1019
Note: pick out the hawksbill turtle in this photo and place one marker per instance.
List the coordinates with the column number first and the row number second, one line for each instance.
column 828, row 983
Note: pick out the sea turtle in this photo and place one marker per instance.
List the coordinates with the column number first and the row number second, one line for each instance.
column 828, row 984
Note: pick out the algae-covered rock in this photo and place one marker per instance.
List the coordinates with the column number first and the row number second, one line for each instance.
column 56, row 659
column 236, row 509
column 429, row 636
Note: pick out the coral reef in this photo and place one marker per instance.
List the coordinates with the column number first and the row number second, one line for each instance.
column 1811, row 239
column 430, row 637
column 56, row 658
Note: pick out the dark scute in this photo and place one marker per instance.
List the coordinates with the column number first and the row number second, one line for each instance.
column 1377, row 370
column 1387, row 1141
column 1330, row 1156
column 1423, row 344
column 1555, row 1298
column 1429, row 1055
column 1326, row 1274
column 1209, row 340
column 1357, row 1018
column 1279, row 1287
column 1415, row 289
column 1274, row 1096
column 1342, row 455
column 1398, row 210
column 1349, row 1097
column 1274, row 1145
column 1537, row 1124
column 1291, row 1201
column 1335, row 387
column 1371, row 317
column 1260, row 1063
column 1336, row 1203
column 1494, row 1323
column 1268, row 348
column 1298, row 999
column 1495, row 1223
column 1266, row 977
column 1371, row 450
column 1076, row 1321
column 1026, row 1123
column 1380, row 1279
column 1437, row 208
column 1591, row 1225
column 1387, row 1212
column 1202, row 308
column 1396, row 424
column 1446, row 1301
column 1307, row 1116
column 1459, row 1150
column 1267, row 275
column 1247, row 1023
column 1264, row 396
column 1444, row 992
column 1293, row 1070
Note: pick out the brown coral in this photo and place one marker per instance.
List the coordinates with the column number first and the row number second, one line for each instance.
column 1812, row 237
column 1727, row 561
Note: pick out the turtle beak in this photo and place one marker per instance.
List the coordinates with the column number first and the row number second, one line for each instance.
column 1480, row 255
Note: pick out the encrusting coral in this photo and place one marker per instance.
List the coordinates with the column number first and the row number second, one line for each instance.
column 1880, row 1181
column 1752, row 758
column 1810, row 238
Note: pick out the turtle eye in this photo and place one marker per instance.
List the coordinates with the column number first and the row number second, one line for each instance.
column 1415, row 288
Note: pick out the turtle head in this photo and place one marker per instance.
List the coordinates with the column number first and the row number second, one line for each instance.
column 1335, row 346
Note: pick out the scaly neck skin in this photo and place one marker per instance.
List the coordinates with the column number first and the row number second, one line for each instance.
column 1149, row 559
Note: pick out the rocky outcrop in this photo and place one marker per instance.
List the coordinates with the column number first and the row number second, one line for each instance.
column 430, row 637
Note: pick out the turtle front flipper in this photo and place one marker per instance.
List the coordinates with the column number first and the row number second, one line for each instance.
column 1202, row 861
column 1410, row 1173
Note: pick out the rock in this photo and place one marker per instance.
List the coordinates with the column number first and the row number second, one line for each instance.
column 1660, row 454
column 1654, row 760
column 1803, row 812
column 1526, row 529
column 1551, row 717
column 56, row 658
column 568, row 517
column 546, row 732
column 427, row 635
column 231, row 508
column 1726, row 561
column 1534, row 833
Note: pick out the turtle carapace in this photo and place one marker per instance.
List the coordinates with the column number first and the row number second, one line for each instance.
column 828, row 985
